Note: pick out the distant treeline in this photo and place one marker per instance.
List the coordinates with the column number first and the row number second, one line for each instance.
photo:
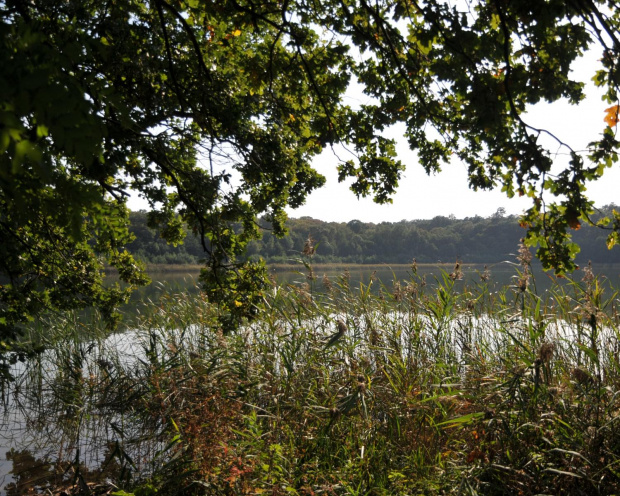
column 446, row 239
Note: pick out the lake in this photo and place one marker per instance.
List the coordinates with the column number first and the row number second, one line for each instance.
column 500, row 275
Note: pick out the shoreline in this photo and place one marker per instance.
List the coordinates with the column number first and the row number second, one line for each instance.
column 163, row 268
column 194, row 269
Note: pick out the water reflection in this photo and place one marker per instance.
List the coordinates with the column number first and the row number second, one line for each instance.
column 32, row 474
column 71, row 418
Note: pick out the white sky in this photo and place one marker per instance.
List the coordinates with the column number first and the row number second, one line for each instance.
column 420, row 196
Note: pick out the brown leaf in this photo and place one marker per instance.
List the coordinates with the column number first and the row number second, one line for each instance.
column 475, row 454
column 612, row 115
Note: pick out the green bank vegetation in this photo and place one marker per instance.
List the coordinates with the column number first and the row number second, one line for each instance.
column 339, row 390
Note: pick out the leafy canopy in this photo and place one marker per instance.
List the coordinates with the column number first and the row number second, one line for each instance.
column 169, row 98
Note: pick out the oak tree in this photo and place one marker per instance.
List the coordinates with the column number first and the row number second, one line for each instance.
column 212, row 111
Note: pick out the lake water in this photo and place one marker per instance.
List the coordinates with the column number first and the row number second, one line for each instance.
column 500, row 275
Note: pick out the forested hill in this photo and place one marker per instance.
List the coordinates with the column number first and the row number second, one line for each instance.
column 475, row 239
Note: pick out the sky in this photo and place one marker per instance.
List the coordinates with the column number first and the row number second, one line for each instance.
column 420, row 196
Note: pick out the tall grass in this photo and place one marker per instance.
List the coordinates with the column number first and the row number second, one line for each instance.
column 418, row 387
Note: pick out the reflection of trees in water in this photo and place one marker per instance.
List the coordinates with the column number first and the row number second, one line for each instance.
column 28, row 472
column 32, row 475
column 72, row 417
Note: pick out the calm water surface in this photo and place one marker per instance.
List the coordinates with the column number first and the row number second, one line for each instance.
column 500, row 275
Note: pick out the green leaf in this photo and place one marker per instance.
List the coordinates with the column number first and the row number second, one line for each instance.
column 460, row 421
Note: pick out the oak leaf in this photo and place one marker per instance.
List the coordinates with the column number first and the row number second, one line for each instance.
column 612, row 115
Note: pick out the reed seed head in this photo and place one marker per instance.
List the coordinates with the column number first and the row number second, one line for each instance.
column 457, row 273
column 398, row 292
column 309, row 247
column 545, row 353
column 524, row 255
column 342, row 327
column 524, row 281
column 582, row 376
column 588, row 274
column 327, row 283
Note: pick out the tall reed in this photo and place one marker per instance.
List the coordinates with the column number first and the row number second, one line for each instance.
column 413, row 387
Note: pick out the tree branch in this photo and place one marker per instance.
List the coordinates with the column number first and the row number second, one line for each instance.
column 192, row 37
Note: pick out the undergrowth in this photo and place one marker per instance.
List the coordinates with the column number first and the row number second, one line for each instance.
column 419, row 387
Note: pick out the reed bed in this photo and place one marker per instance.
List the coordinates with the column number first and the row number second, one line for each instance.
column 409, row 388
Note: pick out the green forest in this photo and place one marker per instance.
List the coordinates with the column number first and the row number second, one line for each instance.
column 446, row 239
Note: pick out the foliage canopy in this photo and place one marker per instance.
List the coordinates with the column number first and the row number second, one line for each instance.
column 169, row 97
